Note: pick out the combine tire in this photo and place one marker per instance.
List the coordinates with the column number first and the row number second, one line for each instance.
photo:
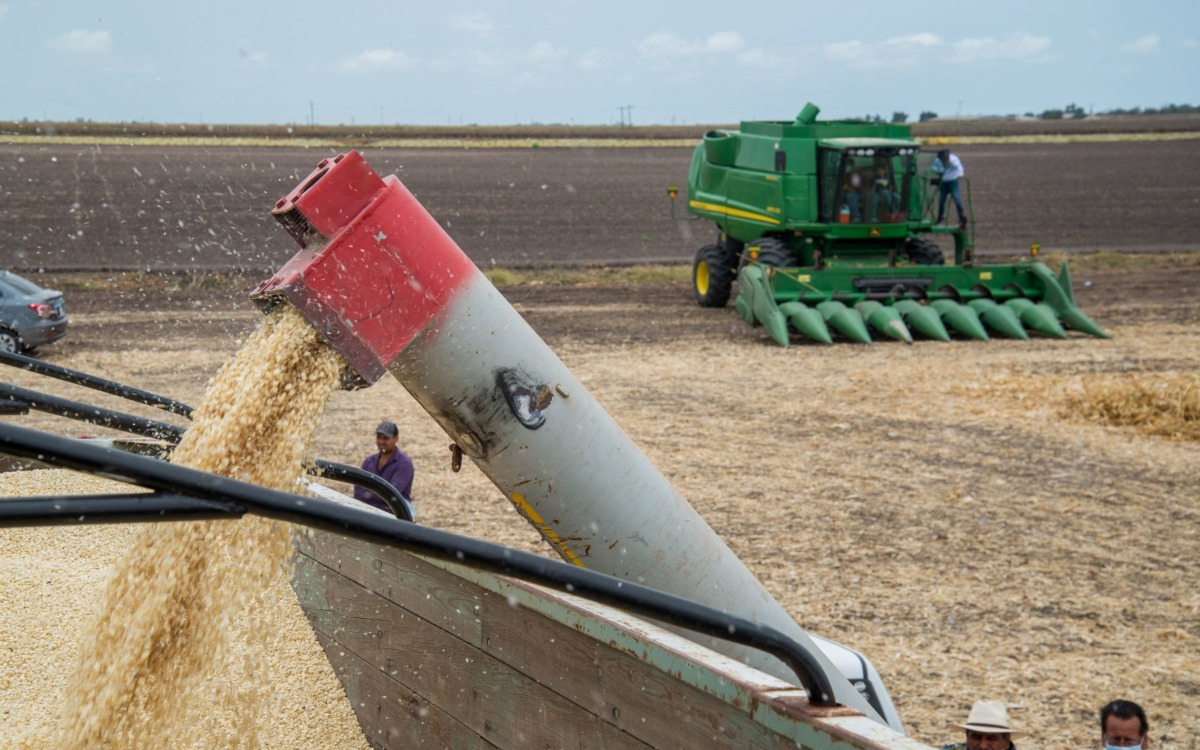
column 771, row 252
column 924, row 253
column 712, row 276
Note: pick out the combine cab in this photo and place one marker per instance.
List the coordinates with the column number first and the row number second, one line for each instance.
column 827, row 229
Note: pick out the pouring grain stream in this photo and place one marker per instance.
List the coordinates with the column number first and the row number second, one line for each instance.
column 167, row 611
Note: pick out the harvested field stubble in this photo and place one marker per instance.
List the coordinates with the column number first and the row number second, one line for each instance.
column 929, row 505
column 1164, row 406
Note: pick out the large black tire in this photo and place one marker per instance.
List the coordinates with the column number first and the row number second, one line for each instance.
column 770, row 251
column 712, row 276
column 9, row 341
column 924, row 252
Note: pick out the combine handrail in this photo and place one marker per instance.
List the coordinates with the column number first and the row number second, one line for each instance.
column 181, row 493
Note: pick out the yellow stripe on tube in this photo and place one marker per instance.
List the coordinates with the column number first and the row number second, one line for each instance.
column 531, row 515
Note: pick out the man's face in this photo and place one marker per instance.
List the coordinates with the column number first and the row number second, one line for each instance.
column 384, row 443
column 1123, row 732
column 987, row 741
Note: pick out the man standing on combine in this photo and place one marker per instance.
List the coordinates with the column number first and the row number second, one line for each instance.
column 390, row 463
column 948, row 168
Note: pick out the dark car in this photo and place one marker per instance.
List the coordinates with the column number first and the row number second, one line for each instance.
column 29, row 315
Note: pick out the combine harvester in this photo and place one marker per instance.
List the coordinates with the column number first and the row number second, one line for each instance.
column 651, row 633
column 829, row 225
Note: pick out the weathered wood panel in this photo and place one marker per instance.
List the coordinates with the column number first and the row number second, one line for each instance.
column 433, row 662
column 440, row 655
column 391, row 715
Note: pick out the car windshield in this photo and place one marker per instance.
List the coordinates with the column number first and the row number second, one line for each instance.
column 19, row 284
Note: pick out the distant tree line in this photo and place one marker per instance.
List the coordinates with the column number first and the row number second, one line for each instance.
column 1070, row 112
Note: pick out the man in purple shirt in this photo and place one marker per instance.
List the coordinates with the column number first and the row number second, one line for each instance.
column 390, row 463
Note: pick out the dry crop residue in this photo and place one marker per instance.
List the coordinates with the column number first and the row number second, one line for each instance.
column 158, row 666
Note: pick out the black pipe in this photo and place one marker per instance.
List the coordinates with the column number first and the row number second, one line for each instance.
column 63, row 510
column 93, row 414
column 9, row 406
column 401, row 506
column 90, row 414
column 114, row 388
column 374, row 527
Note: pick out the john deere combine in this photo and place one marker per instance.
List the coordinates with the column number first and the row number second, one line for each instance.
column 828, row 228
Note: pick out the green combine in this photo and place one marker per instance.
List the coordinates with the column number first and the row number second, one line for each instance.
column 827, row 228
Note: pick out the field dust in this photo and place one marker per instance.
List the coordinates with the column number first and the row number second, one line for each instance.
column 939, row 507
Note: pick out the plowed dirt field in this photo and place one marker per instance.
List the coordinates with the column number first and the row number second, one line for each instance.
column 940, row 507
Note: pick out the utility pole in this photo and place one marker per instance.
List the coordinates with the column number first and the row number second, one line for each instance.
column 626, row 115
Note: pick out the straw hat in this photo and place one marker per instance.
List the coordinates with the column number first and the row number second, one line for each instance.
column 989, row 717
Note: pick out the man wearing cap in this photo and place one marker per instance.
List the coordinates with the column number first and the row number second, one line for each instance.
column 987, row 728
column 390, row 463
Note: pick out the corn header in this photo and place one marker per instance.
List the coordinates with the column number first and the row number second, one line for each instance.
column 827, row 228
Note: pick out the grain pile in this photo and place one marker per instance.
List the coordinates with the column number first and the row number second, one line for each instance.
column 179, row 654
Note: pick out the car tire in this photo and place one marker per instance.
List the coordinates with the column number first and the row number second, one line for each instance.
column 9, row 341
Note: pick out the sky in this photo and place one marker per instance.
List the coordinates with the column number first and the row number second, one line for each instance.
column 586, row 62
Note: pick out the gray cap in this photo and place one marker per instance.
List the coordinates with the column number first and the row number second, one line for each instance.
column 387, row 429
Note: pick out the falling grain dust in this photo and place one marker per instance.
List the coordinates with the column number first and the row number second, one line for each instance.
column 167, row 612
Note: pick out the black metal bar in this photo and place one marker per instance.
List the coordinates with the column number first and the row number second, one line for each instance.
column 92, row 414
column 9, row 406
column 77, row 377
column 401, row 506
column 60, row 510
column 375, row 527
column 881, row 282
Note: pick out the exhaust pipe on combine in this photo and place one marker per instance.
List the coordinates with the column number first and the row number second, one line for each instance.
column 391, row 291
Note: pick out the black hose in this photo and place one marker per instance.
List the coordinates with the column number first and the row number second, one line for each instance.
column 401, row 506
column 39, row 367
column 90, row 414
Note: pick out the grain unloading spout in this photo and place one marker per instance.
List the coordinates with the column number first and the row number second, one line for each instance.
column 392, row 292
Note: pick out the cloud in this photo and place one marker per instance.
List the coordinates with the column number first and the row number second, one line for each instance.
column 544, row 52
column 724, row 41
column 3, row 10
column 664, row 46
column 257, row 58
column 764, row 59
column 1143, row 45
column 894, row 51
column 912, row 50
column 596, row 59
column 1020, row 47
column 81, row 42
column 477, row 24
column 376, row 59
column 1190, row 43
